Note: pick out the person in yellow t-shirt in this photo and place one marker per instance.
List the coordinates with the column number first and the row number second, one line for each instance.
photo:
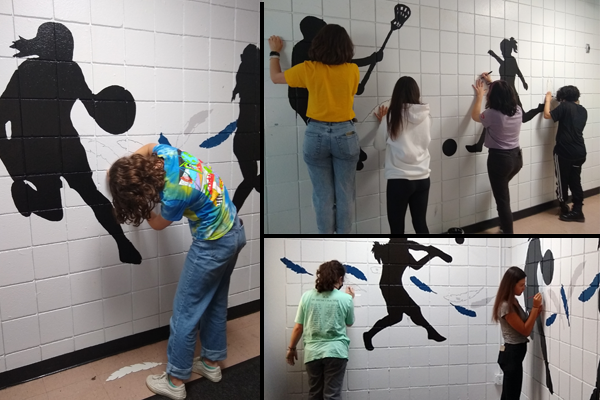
column 331, row 148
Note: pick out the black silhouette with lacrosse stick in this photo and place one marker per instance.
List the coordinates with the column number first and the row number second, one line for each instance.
column 310, row 26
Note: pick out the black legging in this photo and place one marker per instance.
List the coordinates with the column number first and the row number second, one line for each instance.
column 402, row 193
column 502, row 166
column 511, row 363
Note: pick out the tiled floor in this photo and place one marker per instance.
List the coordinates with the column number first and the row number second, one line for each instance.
column 547, row 222
column 88, row 382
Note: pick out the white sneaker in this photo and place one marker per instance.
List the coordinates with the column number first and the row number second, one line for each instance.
column 212, row 374
column 159, row 384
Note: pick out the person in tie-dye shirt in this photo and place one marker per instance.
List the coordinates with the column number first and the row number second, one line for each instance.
column 185, row 187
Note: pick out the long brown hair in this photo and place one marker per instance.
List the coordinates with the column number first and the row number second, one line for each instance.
column 502, row 97
column 406, row 92
column 331, row 46
column 328, row 275
column 506, row 291
column 135, row 183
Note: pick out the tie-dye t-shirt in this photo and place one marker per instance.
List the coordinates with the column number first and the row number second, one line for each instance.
column 192, row 190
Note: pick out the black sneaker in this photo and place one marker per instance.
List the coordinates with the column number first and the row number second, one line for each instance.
column 576, row 216
column 564, row 209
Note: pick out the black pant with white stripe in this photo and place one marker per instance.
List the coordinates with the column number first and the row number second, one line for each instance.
column 568, row 176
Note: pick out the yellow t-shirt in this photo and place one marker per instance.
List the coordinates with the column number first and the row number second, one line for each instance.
column 331, row 89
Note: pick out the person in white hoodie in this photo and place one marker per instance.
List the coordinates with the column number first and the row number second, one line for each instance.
column 405, row 135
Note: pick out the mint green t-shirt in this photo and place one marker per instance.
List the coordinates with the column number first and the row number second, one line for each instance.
column 324, row 317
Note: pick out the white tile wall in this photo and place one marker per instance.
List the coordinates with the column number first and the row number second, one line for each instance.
column 465, row 364
column 450, row 38
column 56, row 325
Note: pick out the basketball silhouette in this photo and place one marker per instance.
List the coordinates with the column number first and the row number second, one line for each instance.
column 115, row 109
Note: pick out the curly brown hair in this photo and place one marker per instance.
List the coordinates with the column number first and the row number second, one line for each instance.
column 328, row 275
column 331, row 46
column 135, row 183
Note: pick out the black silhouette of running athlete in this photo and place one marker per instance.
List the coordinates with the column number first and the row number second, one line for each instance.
column 42, row 144
column 395, row 258
column 246, row 142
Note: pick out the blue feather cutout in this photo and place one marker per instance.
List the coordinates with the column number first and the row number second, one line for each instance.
column 464, row 311
column 219, row 137
column 421, row 285
column 355, row 271
column 589, row 292
column 294, row 267
column 550, row 319
column 163, row 140
column 564, row 299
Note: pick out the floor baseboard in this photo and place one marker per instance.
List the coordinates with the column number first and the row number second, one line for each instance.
column 528, row 212
column 103, row 350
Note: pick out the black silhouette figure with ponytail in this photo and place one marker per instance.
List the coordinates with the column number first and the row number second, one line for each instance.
column 246, row 142
column 509, row 70
column 42, row 144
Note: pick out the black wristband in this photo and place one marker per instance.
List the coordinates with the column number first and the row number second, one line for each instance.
column 274, row 53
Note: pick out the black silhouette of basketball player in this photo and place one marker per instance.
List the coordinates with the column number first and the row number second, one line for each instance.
column 509, row 70
column 535, row 260
column 310, row 26
column 246, row 142
column 43, row 144
column 395, row 258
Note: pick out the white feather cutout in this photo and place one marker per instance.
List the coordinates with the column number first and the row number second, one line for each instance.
column 131, row 368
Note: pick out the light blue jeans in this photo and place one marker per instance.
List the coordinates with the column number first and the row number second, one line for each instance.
column 331, row 151
column 201, row 301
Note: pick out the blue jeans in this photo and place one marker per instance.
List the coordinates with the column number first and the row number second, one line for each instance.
column 331, row 152
column 201, row 301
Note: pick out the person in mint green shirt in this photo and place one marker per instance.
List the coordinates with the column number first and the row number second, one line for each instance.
column 323, row 315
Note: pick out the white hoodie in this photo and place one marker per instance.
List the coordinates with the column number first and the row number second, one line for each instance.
column 407, row 157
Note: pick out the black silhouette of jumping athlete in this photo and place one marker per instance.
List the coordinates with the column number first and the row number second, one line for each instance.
column 246, row 142
column 509, row 70
column 395, row 258
column 42, row 144
column 535, row 260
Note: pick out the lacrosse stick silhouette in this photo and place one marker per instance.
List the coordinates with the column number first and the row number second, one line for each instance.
column 402, row 13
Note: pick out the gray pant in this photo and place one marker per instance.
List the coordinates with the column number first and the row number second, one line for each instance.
column 325, row 377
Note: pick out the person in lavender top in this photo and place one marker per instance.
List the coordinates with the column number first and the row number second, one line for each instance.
column 502, row 119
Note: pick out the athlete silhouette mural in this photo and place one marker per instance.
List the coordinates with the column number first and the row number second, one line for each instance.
column 310, row 26
column 545, row 263
column 509, row 70
column 246, row 142
column 42, row 144
column 395, row 258
column 596, row 392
